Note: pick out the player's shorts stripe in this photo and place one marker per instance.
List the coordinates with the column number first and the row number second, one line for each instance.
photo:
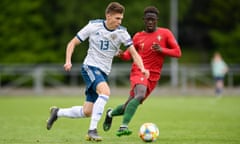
column 89, row 72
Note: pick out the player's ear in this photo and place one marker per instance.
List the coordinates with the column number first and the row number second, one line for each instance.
column 107, row 15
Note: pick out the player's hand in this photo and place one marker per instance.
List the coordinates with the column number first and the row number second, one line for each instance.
column 156, row 47
column 119, row 53
column 67, row 66
column 146, row 73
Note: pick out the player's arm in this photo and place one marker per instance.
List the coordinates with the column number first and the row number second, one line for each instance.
column 173, row 48
column 138, row 60
column 69, row 51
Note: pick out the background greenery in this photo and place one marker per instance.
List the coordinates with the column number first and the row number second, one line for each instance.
column 181, row 120
column 38, row 31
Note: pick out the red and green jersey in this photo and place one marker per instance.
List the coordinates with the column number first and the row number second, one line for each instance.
column 153, row 60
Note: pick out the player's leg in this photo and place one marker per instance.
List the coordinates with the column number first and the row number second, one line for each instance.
column 72, row 112
column 108, row 120
column 98, row 108
column 98, row 92
column 118, row 111
column 75, row 111
column 219, row 87
column 139, row 94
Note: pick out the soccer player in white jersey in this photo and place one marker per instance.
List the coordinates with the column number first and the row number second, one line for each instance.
column 105, row 38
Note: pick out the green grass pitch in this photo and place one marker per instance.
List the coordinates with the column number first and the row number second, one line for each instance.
column 181, row 120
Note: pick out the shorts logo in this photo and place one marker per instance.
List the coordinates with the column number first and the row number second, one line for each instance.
column 141, row 78
column 97, row 72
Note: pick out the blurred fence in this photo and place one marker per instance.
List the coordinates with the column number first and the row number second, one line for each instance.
column 40, row 77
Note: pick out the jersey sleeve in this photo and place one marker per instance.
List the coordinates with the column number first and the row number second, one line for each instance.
column 172, row 49
column 84, row 33
column 126, row 38
column 127, row 55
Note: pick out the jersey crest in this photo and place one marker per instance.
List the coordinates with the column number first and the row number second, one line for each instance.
column 159, row 37
column 113, row 36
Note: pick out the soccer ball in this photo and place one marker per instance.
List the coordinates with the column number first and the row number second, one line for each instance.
column 148, row 132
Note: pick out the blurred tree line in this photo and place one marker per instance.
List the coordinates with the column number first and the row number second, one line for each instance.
column 38, row 31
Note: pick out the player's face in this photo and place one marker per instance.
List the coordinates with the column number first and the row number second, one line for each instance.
column 113, row 20
column 150, row 21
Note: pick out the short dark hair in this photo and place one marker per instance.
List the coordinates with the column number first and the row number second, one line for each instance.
column 151, row 9
column 115, row 7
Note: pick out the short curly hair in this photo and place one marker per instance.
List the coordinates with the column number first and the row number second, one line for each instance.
column 151, row 9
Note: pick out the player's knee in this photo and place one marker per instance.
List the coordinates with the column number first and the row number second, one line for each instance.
column 105, row 92
column 139, row 97
column 140, row 92
column 87, row 112
column 104, row 89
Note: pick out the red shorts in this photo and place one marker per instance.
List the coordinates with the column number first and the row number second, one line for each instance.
column 141, row 79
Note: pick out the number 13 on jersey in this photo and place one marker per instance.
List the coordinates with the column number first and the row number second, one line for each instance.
column 104, row 45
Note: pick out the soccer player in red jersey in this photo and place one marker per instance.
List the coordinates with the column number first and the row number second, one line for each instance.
column 153, row 45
